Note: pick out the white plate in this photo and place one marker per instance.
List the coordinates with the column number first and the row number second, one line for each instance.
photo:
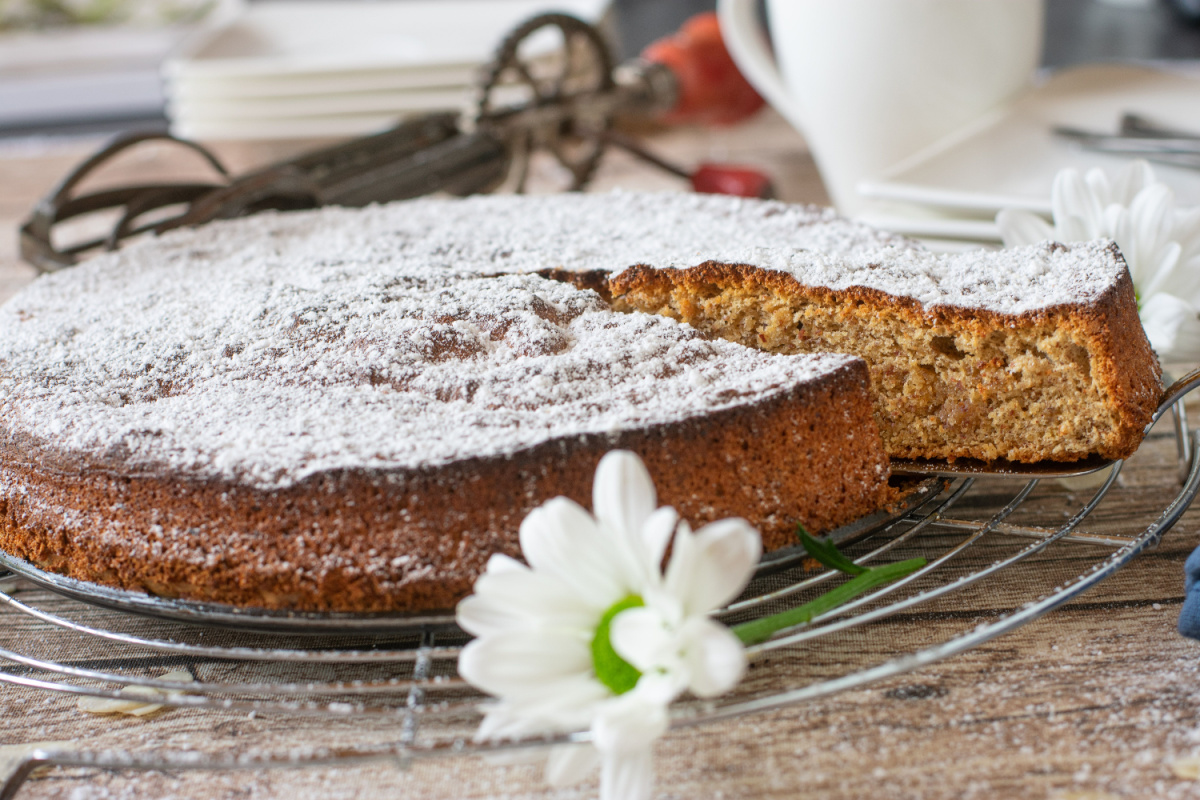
column 316, row 68
column 971, row 230
column 1010, row 158
column 296, row 128
column 200, row 87
column 398, row 102
column 303, row 38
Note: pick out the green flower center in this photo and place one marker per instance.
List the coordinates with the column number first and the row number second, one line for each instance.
column 613, row 671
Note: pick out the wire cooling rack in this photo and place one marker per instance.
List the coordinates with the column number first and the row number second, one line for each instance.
column 1000, row 552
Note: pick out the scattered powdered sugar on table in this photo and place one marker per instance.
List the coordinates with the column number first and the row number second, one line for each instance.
column 269, row 348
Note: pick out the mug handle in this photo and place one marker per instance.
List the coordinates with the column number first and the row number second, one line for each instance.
column 747, row 43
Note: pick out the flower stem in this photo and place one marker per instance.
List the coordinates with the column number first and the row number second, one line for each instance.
column 760, row 630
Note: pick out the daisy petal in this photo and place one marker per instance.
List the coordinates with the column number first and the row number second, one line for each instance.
column 510, row 719
column 569, row 764
column 1115, row 222
column 1097, row 184
column 656, row 534
column 1187, row 229
column 478, row 617
column 503, row 721
column 622, row 493
column 715, row 566
column 1186, row 282
column 660, row 687
column 565, row 705
column 1019, row 227
column 628, row 724
column 715, row 657
column 1135, row 176
column 522, row 599
column 1099, row 187
column 498, row 562
column 1153, row 214
column 1073, row 203
column 1161, row 269
column 1072, row 228
column 561, row 539
column 523, row 662
column 1173, row 328
column 627, row 776
column 642, row 637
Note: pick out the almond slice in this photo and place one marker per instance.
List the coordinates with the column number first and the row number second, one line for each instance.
column 136, row 708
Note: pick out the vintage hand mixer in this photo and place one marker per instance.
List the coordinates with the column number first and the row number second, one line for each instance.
column 564, row 103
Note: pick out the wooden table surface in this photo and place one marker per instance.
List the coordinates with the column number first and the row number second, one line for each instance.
column 1098, row 700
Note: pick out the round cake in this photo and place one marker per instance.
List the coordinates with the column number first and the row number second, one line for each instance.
column 352, row 410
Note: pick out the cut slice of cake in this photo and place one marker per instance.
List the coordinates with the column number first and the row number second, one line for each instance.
column 1032, row 354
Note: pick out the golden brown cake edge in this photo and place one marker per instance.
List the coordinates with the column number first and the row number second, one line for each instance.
column 348, row 541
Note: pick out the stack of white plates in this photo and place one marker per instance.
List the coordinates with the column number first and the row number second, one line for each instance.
column 950, row 193
column 326, row 68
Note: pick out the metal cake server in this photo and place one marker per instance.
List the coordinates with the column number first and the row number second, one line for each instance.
column 564, row 105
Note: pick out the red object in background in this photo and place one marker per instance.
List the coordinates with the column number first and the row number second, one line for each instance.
column 711, row 89
column 725, row 179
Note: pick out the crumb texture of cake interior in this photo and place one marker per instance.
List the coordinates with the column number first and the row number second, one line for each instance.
column 1032, row 354
column 352, row 410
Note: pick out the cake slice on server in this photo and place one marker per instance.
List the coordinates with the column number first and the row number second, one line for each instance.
column 1032, row 354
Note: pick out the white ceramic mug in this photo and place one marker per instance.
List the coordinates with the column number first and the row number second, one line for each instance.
column 871, row 82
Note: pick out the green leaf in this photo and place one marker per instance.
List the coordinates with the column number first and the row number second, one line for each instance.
column 613, row 671
column 827, row 553
column 760, row 630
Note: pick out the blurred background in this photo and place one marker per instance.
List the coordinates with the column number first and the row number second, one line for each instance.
column 908, row 146
column 102, row 66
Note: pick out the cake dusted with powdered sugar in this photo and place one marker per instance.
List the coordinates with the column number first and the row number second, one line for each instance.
column 351, row 410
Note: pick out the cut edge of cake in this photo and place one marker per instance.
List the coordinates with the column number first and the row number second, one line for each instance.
column 1054, row 383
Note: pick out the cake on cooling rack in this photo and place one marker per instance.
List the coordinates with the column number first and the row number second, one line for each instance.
column 1032, row 354
column 351, row 410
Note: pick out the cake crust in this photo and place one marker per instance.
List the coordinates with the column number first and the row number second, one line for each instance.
column 403, row 540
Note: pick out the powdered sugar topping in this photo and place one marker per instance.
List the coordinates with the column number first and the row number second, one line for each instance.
column 274, row 347
column 1015, row 281
column 251, row 352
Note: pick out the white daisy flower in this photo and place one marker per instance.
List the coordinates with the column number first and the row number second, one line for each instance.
column 592, row 635
column 1161, row 245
